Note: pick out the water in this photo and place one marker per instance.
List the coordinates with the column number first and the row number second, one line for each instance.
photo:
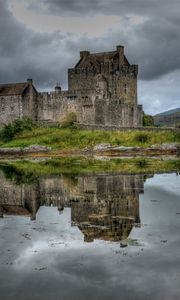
column 90, row 237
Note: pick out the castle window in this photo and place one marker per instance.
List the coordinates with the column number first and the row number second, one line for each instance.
column 125, row 88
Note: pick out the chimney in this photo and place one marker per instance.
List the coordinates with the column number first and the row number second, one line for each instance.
column 84, row 54
column 57, row 89
column 120, row 50
column 29, row 80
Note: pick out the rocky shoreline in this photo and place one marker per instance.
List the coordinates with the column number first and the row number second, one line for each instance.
column 154, row 150
column 23, row 151
column 100, row 149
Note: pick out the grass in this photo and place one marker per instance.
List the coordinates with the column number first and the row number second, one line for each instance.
column 24, row 171
column 69, row 138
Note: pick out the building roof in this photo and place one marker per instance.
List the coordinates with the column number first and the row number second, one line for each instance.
column 13, row 88
column 91, row 59
column 103, row 56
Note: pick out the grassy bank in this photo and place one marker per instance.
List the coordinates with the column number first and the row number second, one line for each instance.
column 69, row 138
column 27, row 171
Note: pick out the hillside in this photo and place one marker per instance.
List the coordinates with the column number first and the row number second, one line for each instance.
column 168, row 118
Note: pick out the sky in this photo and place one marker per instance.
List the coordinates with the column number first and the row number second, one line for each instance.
column 42, row 39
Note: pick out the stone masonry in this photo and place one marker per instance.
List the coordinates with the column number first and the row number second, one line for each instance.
column 18, row 100
column 102, row 90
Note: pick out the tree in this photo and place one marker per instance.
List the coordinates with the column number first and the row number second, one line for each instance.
column 148, row 120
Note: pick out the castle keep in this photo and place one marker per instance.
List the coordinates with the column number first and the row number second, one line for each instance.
column 102, row 90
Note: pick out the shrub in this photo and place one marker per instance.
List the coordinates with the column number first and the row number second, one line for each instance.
column 69, row 120
column 117, row 141
column 142, row 138
column 177, row 135
column 142, row 163
column 10, row 130
column 148, row 120
column 18, row 176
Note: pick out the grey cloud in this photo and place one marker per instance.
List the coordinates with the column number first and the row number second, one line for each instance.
column 25, row 53
column 156, row 48
column 153, row 44
column 117, row 7
column 160, row 95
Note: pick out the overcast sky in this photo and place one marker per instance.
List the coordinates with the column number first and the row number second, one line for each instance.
column 42, row 39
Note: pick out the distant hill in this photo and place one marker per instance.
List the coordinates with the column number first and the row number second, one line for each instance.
column 168, row 118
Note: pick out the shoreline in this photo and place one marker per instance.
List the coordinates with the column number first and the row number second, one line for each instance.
column 104, row 150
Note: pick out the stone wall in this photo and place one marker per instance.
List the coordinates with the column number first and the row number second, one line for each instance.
column 110, row 113
column 55, row 106
column 10, row 108
column 117, row 128
column 103, row 206
column 120, row 84
column 18, row 199
column 24, row 104
column 30, row 103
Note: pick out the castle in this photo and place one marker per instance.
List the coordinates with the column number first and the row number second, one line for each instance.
column 102, row 206
column 102, row 91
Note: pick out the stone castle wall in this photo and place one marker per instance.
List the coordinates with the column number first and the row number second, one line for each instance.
column 119, row 84
column 10, row 108
column 55, row 106
column 89, row 111
column 30, row 103
column 103, row 206
column 16, row 106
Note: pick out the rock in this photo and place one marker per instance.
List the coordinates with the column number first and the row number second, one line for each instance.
column 152, row 150
column 100, row 147
column 36, row 148
column 30, row 149
column 16, row 150
column 166, row 147
column 123, row 148
column 123, row 244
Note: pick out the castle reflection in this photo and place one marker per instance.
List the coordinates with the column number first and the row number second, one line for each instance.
column 102, row 206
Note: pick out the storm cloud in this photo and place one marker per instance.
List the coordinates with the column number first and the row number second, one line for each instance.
column 149, row 30
column 117, row 7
